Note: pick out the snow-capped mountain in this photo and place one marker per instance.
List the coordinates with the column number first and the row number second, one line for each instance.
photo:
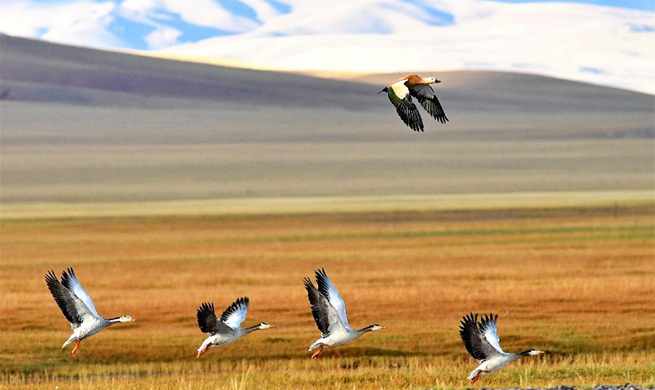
column 603, row 45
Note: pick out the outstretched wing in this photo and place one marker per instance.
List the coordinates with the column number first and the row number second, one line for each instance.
column 474, row 338
column 207, row 321
column 325, row 315
column 470, row 334
column 327, row 289
column 235, row 314
column 73, row 308
column 428, row 99
column 400, row 97
column 69, row 280
column 488, row 329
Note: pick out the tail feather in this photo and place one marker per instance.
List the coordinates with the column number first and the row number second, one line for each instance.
column 70, row 340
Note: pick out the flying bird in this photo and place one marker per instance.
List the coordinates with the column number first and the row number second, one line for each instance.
column 227, row 329
column 329, row 311
column 76, row 305
column 482, row 342
column 400, row 94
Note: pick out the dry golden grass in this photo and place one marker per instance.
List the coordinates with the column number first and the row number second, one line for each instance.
column 575, row 282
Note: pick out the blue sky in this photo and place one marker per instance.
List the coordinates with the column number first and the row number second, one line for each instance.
column 644, row 5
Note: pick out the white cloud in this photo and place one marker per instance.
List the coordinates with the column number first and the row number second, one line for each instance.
column 79, row 22
column 19, row 18
column 349, row 16
column 138, row 9
column 264, row 10
column 208, row 13
column 162, row 37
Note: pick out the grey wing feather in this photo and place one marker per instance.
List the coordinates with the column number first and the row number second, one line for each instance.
column 473, row 336
column 71, row 306
column 428, row 99
column 325, row 315
column 318, row 305
column 490, row 333
column 235, row 314
column 207, row 321
column 329, row 291
column 69, row 279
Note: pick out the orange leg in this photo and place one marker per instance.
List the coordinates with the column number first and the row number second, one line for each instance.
column 76, row 348
column 318, row 352
column 475, row 378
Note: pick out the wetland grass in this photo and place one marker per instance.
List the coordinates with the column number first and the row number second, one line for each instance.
column 574, row 282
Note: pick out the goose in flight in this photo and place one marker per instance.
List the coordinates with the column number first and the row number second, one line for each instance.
column 78, row 308
column 226, row 329
column 400, row 94
column 482, row 342
column 329, row 311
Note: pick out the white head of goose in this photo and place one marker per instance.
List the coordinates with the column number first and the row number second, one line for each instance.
column 329, row 311
column 400, row 94
column 482, row 342
column 76, row 305
column 226, row 329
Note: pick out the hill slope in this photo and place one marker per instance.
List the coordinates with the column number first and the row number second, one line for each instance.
column 40, row 71
column 86, row 125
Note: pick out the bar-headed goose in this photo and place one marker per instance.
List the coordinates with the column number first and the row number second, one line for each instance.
column 482, row 342
column 329, row 311
column 226, row 329
column 400, row 94
column 78, row 308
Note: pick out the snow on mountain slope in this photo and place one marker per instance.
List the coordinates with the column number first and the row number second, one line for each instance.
column 603, row 45
column 580, row 42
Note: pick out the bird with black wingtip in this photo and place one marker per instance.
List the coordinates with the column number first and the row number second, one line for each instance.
column 329, row 311
column 76, row 305
column 400, row 94
column 482, row 342
column 226, row 329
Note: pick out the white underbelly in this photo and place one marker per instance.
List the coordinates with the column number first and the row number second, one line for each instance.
column 338, row 339
column 217, row 340
column 88, row 328
column 494, row 364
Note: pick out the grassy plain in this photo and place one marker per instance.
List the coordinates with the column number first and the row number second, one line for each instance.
column 577, row 282
column 160, row 195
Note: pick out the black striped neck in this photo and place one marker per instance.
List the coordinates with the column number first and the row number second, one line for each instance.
column 370, row 328
column 120, row 319
column 260, row 326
